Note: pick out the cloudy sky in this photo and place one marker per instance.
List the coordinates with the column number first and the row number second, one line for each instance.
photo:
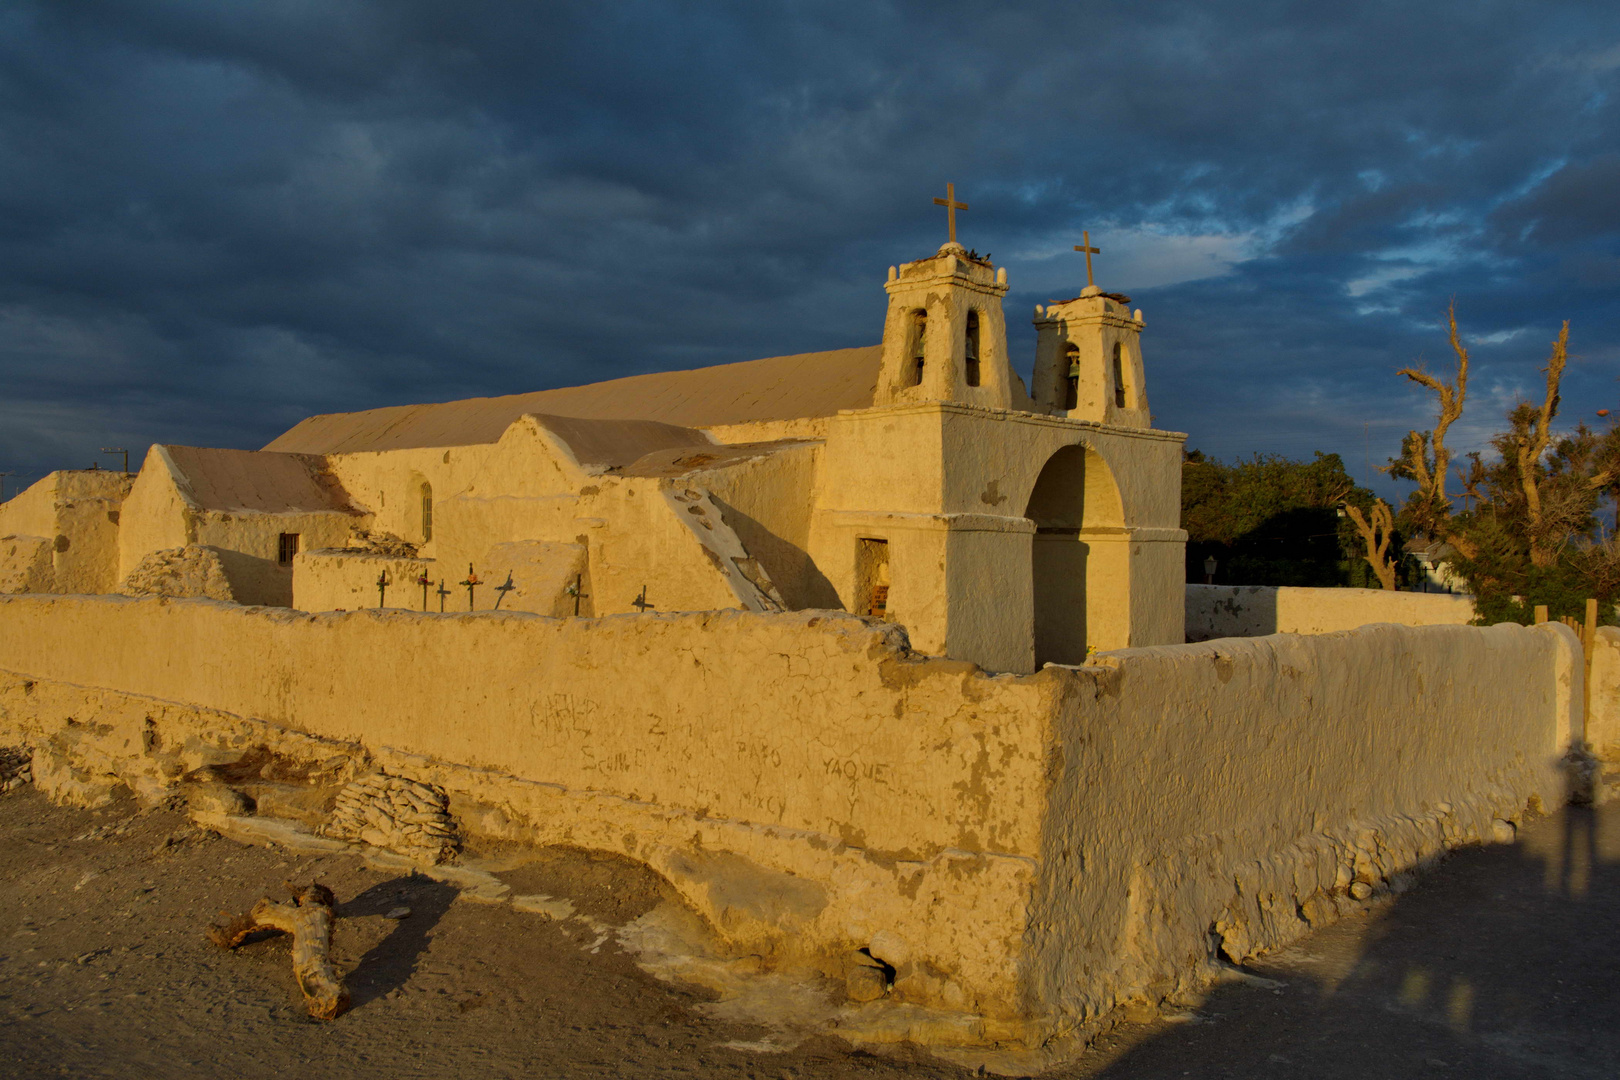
column 219, row 218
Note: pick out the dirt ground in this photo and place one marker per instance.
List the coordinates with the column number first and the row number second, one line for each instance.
column 1499, row 964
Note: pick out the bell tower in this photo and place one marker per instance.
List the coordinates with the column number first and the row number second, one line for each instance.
column 945, row 337
column 1088, row 357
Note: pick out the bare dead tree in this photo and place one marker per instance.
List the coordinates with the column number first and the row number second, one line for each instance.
column 1425, row 457
column 1377, row 534
column 1532, row 443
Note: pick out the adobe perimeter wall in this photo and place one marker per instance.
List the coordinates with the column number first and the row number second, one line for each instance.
column 1027, row 852
column 803, row 779
column 1237, row 792
column 1218, row 611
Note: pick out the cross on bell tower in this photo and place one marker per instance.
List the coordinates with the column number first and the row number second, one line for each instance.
column 1090, row 251
column 951, row 207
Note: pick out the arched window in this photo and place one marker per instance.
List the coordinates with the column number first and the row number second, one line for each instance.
column 427, row 511
column 1119, row 378
column 973, row 348
column 1071, row 383
column 919, row 334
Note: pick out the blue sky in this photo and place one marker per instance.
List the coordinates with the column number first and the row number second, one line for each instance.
column 218, row 218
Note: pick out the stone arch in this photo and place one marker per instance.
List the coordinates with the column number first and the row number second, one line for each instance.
column 1080, row 558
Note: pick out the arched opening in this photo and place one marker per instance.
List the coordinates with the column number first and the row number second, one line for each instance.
column 1071, row 382
column 973, row 348
column 427, row 511
column 1080, row 558
column 919, row 335
column 1119, row 378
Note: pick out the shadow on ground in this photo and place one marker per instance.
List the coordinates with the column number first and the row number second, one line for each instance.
column 390, row 963
column 1501, row 963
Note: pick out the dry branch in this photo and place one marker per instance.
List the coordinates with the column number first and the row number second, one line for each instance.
column 308, row 918
column 1425, row 455
column 1534, row 443
column 1376, row 534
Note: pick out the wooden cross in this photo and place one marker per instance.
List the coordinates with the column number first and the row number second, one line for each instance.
column 951, row 207
column 423, row 581
column 640, row 602
column 1090, row 251
column 443, row 592
column 503, row 590
column 574, row 591
column 470, row 584
column 383, row 581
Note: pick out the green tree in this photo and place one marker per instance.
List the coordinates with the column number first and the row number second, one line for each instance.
column 1269, row 520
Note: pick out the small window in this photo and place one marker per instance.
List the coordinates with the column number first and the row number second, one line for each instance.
column 973, row 348
column 427, row 512
column 919, row 335
column 872, row 578
column 1071, row 384
column 1119, row 378
column 288, row 548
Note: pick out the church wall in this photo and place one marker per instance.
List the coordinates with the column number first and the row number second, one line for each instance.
column 76, row 512
column 769, row 502
column 154, row 517
column 1033, row 849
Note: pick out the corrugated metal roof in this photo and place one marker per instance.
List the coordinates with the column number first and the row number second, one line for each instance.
column 778, row 388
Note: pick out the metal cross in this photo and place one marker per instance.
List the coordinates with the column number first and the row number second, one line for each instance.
column 383, row 581
column 951, row 207
column 470, row 584
column 574, row 591
column 1090, row 251
column 640, row 602
column 503, row 590
column 422, row 580
column 443, row 592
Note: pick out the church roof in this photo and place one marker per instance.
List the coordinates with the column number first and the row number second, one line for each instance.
column 617, row 443
column 778, row 388
column 249, row 480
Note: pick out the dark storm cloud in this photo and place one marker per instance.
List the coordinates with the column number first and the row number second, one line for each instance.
column 216, row 219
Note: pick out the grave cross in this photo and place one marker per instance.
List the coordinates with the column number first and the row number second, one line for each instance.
column 951, row 207
column 470, row 584
column 422, row 580
column 383, row 581
column 1090, row 251
column 640, row 602
column 503, row 590
column 574, row 591
column 443, row 592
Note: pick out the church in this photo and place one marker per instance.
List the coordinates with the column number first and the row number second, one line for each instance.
column 920, row 481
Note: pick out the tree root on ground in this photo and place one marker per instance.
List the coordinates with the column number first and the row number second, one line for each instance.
column 308, row 918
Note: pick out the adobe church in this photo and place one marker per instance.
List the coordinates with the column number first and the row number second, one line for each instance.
column 918, row 481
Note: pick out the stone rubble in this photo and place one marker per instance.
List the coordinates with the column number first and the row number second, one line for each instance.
column 16, row 767
column 392, row 812
column 191, row 571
